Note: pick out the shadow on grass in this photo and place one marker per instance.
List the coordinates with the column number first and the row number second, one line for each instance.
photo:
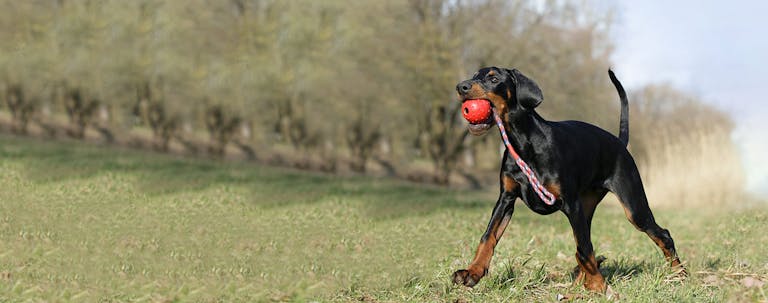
column 517, row 275
column 160, row 174
column 622, row 269
column 616, row 270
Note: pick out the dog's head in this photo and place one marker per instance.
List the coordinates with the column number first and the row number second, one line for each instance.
column 509, row 91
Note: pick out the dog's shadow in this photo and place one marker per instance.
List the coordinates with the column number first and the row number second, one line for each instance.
column 619, row 269
column 612, row 270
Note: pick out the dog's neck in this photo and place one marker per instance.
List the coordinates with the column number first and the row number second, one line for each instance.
column 525, row 127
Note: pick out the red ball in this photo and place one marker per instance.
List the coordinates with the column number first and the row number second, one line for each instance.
column 476, row 110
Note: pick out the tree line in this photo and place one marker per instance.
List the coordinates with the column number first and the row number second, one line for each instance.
column 337, row 85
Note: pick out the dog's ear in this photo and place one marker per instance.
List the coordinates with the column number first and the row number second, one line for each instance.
column 527, row 92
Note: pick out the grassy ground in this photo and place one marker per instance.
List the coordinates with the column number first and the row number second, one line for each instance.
column 82, row 224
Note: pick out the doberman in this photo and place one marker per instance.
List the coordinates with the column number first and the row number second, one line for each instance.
column 577, row 162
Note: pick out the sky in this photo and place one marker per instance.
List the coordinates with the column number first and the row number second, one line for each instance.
column 716, row 50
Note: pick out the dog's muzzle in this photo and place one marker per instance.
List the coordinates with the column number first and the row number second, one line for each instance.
column 479, row 129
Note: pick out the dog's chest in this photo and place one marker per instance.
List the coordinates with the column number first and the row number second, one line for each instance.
column 529, row 195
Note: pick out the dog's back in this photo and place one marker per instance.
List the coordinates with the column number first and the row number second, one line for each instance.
column 588, row 149
column 591, row 149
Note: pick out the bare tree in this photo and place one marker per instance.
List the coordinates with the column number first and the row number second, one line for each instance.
column 21, row 107
column 80, row 110
column 151, row 111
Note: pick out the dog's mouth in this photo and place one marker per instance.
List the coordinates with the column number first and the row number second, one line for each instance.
column 481, row 128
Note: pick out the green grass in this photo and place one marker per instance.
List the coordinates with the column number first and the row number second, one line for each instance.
column 88, row 224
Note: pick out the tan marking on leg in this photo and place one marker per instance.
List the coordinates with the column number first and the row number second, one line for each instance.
column 593, row 279
column 628, row 214
column 675, row 262
column 485, row 249
column 502, row 227
column 509, row 183
column 589, row 201
column 671, row 257
column 482, row 260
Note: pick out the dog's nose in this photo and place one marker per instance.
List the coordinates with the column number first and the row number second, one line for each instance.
column 464, row 86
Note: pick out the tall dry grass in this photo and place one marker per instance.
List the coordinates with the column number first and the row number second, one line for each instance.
column 695, row 169
column 684, row 150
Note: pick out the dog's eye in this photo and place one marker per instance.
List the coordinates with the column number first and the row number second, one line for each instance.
column 494, row 79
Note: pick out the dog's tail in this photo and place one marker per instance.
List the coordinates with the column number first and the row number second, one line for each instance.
column 624, row 118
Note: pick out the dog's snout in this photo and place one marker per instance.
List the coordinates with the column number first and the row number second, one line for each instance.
column 464, row 87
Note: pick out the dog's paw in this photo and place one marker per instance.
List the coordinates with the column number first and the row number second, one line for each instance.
column 466, row 278
column 678, row 274
column 611, row 295
column 569, row 297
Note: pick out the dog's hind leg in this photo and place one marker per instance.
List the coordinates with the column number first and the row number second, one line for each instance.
column 628, row 187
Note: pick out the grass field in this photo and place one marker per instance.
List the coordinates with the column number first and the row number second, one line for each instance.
column 90, row 224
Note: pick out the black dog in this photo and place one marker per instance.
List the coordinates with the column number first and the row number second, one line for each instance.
column 576, row 161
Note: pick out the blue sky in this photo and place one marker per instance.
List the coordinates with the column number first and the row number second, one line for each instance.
column 716, row 50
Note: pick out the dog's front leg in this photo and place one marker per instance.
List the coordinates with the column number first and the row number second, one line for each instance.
column 500, row 217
